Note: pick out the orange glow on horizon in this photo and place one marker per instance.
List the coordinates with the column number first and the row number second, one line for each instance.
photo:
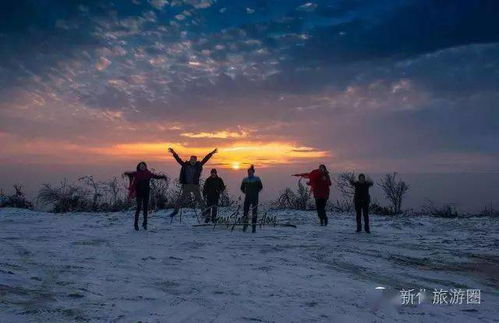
column 234, row 156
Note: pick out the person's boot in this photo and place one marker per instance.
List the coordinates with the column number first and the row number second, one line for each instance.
column 245, row 223
column 136, row 223
column 253, row 228
column 366, row 228
column 144, row 225
column 359, row 228
column 322, row 221
column 325, row 220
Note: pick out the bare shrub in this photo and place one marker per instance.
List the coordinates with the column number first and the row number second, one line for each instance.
column 344, row 205
column 226, row 199
column 301, row 199
column 65, row 197
column 3, row 198
column 18, row 199
column 173, row 194
column 444, row 211
column 394, row 190
column 115, row 195
column 343, row 184
column 375, row 208
column 489, row 211
column 159, row 193
column 95, row 188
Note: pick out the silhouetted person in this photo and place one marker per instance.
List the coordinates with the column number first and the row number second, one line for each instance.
column 213, row 187
column 320, row 183
column 251, row 187
column 140, row 188
column 361, row 201
column 190, row 172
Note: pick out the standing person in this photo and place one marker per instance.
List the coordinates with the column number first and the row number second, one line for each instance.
column 190, row 172
column 361, row 200
column 213, row 187
column 140, row 188
column 251, row 187
column 320, row 183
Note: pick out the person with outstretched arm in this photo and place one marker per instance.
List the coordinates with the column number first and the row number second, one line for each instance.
column 251, row 187
column 213, row 187
column 190, row 172
column 361, row 201
column 320, row 183
column 140, row 188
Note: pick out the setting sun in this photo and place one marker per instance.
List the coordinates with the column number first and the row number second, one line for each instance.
column 236, row 165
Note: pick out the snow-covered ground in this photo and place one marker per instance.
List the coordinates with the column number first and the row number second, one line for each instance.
column 95, row 267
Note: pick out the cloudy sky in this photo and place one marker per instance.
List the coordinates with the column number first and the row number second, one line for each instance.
column 395, row 85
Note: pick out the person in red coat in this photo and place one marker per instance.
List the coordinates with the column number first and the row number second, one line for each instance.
column 320, row 183
column 139, row 189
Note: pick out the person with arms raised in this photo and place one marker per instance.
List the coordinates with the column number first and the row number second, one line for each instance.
column 320, row 183
column 190, row 172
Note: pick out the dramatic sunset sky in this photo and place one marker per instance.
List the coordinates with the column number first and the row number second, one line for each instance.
column 92, row 87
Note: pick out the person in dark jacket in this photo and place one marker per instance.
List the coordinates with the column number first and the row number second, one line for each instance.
column 361, row 201
column 320, row 183
column 213, row 187
column 140, row 188
column 190, row 172
column 251, row 187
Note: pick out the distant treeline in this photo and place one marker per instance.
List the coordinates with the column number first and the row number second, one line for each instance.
column 90, row 195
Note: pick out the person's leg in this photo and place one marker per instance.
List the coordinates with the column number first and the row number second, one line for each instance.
column 358, row 210
column 180, row 201
column 365, row 209
column 207, row 211
column 319, row 211
column 138, row 198
column 324, row 214
column 207, row 214
column 145, row 200
column 198, row 198
column 214, row 209
column 211, row 209
column 245, row 213
column 254, row 216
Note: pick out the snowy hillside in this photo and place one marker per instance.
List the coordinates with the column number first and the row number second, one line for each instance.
column 94, row 267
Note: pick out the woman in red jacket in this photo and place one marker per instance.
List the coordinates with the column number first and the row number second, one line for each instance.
column 320, row 182
column 140, row 188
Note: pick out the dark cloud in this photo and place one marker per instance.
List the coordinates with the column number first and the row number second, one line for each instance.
column 415, row 76
column 412, row 28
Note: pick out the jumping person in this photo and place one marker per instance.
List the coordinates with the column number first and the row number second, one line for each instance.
column 213, row 187
column 320, row 182
column 190, row 172
column 140, row 188
column 361, row 201
column 251, row 187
